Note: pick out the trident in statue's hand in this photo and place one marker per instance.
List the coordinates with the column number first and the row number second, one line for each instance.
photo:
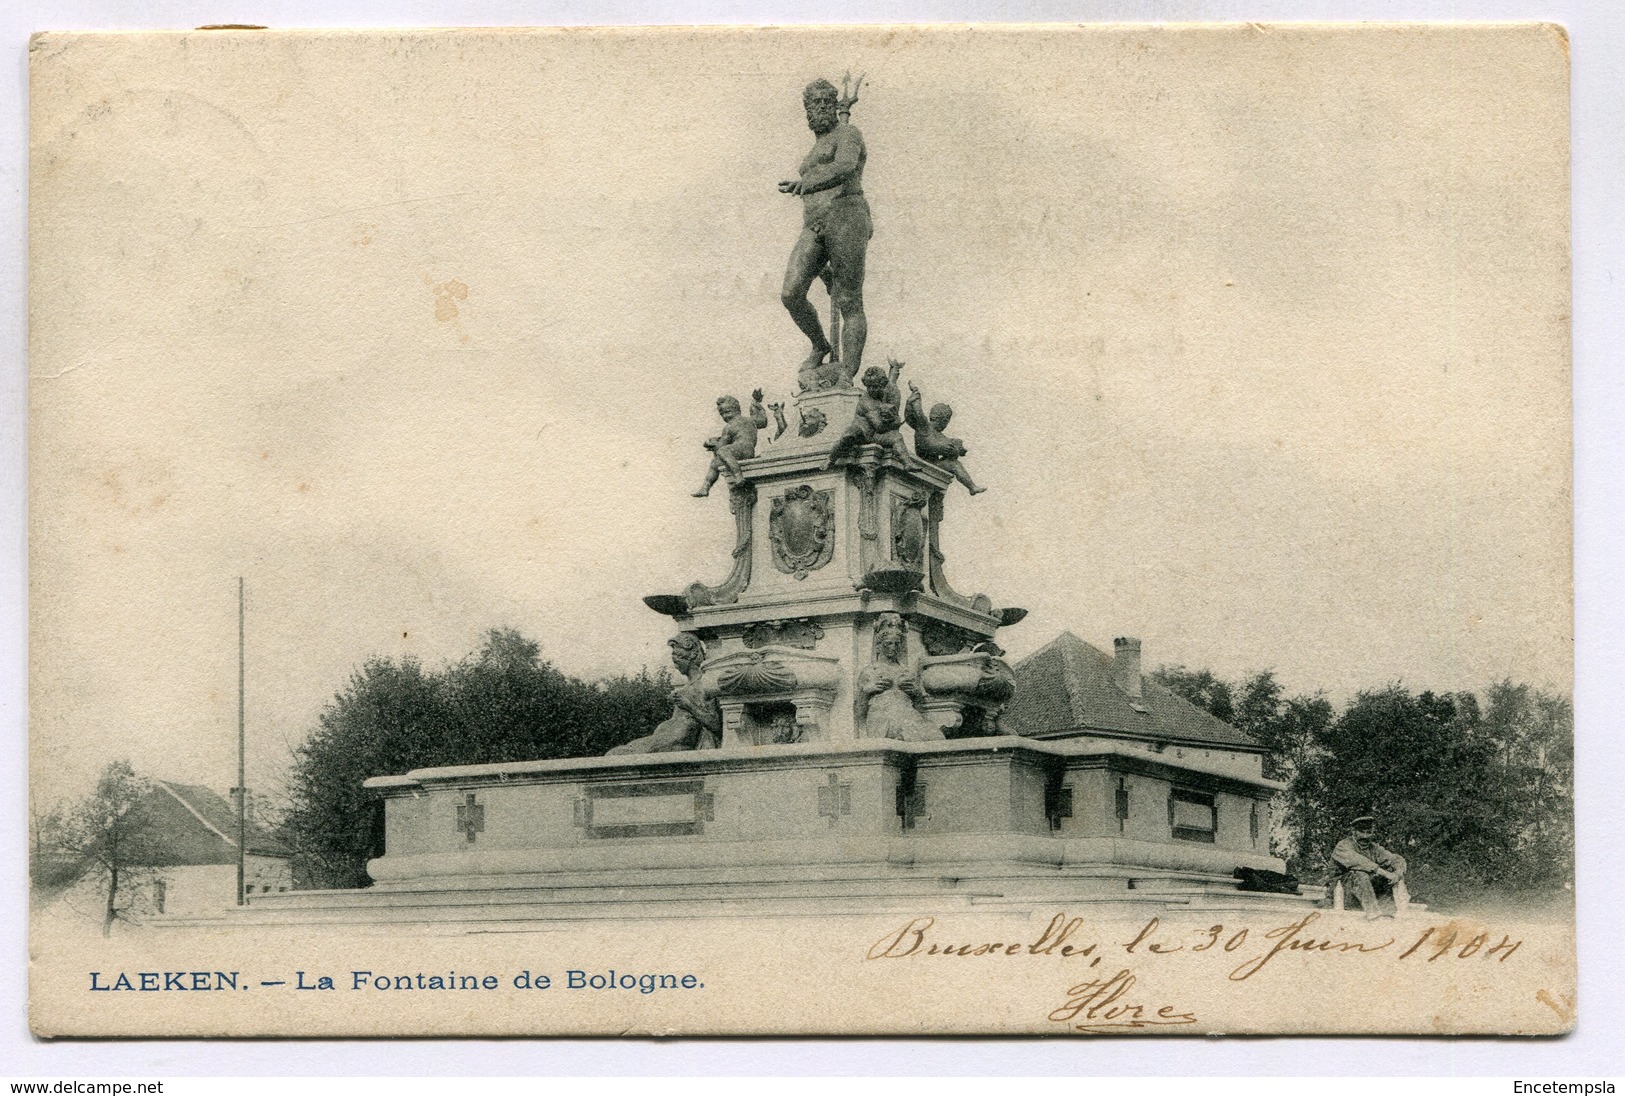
column 849, row 94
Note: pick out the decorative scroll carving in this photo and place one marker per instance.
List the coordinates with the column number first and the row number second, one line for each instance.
column 939, row 581
column 742, row 504
column 801, row 528
column 801, row 634
column 868, row 484
column 908, row 529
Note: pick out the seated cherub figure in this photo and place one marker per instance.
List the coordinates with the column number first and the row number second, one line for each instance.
column 931, row 444
column 737, row 441
column 875, row 421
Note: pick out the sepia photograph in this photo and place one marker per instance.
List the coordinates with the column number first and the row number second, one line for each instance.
column 919, row 530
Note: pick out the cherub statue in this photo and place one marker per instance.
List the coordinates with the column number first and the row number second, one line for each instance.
column 931, row 444
column 876, row 420
column 737, row 441
column 778, row 418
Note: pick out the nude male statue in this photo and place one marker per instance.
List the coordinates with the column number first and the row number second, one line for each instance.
column 835, row 233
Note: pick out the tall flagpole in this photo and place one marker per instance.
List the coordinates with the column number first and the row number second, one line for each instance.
column 242, row 782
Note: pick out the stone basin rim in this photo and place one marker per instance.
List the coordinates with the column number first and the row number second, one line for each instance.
column 677, row 762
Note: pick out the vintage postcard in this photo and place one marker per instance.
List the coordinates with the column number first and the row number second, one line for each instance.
column 895, row 530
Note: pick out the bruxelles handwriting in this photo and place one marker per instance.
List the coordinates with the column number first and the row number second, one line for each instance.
column 1098, row 1007
column 911, row 940
column 1066, row 938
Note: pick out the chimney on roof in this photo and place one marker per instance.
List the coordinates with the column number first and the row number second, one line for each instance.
column 1126, row 666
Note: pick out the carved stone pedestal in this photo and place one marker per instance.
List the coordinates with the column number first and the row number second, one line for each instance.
column 820, row 554
column 860, row 828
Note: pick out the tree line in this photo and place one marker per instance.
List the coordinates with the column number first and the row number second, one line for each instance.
column 503, row 703
column 1478, row 795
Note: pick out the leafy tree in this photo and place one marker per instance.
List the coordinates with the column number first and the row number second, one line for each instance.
column 1479, row 796
column 1199, row 687
column 504, row 703
column 1285, row 726
column 106, row 838
column 1423, row 766
column 1531, row 732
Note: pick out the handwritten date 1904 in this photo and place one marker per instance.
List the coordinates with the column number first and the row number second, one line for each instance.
column 1438, row 942
column 1251, row 949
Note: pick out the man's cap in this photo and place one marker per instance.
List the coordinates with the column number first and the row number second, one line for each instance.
column 1365, row 822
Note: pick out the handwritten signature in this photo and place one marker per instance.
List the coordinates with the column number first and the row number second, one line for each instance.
column 1097, row 1007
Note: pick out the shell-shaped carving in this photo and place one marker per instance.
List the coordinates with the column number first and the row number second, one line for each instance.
column 757, row 674
column 773, row 670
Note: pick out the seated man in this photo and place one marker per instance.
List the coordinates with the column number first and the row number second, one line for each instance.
column 1367, row 871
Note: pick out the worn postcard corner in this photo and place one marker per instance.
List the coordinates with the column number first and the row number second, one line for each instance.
column 997, row 530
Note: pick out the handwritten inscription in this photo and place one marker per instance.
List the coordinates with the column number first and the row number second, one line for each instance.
column 1109, row 1004
column 1065, row 938
column 1283, row 938
column 1449, row 940
column 1103, row 1007
column 911, row 940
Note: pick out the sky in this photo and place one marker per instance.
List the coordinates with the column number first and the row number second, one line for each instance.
column 1259, row 341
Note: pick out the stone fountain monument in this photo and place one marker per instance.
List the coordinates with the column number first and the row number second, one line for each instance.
column 837, row 743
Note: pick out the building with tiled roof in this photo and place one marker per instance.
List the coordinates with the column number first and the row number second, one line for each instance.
column 194, row 851
column 1069, row 689
column 184, row 860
